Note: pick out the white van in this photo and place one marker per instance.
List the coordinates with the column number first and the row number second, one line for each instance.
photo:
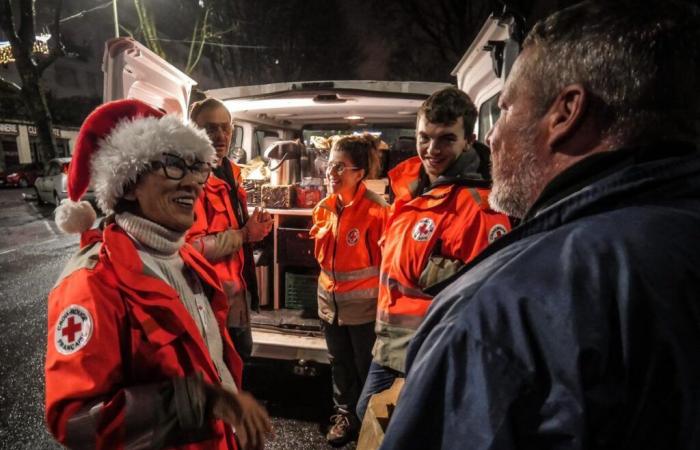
column 482, row 70
column 287, row 327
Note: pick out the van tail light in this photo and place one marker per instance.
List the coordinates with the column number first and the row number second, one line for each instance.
column 65, row 168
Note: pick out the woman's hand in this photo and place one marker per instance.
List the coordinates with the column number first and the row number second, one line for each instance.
column 244, row 413
column 258, row 225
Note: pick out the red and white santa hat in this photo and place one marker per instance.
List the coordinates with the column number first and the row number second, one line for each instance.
column 118, row 142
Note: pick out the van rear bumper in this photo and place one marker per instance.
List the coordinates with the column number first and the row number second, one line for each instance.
column 273, row 344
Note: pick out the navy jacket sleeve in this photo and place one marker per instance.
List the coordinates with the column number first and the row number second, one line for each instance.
column 459, row 393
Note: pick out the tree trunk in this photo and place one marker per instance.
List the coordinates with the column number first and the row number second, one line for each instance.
column 33, row 96
column 22, row 41
column 35, row 99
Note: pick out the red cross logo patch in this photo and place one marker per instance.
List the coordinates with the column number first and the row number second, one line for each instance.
column 496, row 232
column 73, row 329
column 423, row 229
column 353, row 237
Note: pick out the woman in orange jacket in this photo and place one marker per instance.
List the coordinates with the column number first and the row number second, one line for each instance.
column 347, row 227
column 138, row 355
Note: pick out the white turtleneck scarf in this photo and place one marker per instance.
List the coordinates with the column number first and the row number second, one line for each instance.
column 158, row 248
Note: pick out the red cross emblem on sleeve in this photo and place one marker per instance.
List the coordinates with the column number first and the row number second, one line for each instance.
column 423, row 229
column 73, row 329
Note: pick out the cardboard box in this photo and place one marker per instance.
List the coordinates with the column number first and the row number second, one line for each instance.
column 277, row 196
column 377, row 416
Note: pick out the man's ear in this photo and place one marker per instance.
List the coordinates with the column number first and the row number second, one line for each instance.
column 566, row 114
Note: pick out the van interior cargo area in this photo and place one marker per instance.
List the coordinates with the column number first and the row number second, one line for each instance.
column 302, row 321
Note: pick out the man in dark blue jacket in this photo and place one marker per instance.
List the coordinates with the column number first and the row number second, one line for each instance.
column 581, row 328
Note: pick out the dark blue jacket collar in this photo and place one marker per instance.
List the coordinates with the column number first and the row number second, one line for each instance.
column 641, row 175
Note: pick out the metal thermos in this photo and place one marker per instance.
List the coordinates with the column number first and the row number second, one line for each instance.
column 284, row 162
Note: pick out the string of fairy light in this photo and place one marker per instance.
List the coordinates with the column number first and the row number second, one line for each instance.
column 41, row 46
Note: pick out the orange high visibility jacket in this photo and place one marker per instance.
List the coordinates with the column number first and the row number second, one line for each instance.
column 214, row 214
column 444, row 227
column 347, row 249
column 119, row 338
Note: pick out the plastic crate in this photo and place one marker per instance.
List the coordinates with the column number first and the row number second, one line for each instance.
column 300, row 291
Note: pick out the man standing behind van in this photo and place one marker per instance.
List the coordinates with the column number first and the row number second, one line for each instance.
column 223, row 230
column 440, row 220
column 581, row 328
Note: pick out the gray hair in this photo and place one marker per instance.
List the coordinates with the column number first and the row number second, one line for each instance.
column 638, row 61
column 208, row 103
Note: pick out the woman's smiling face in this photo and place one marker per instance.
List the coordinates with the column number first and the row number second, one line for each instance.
column 167, row 202
column 342, row 181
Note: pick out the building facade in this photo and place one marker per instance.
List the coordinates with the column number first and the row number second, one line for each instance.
column 19, row 143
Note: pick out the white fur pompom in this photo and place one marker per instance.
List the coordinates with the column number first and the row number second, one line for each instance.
column 75, row 217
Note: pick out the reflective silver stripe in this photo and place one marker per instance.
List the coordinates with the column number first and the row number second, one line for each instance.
column 475, row 195
column 85, row 258
column 386, row 322
column 353, row 275
column 405, row 290
column 351, row 295
column 322, row 293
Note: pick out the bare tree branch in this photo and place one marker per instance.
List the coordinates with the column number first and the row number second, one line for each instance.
column 30, row 91
column 56, row 48
column 6, row 23
column 191, row 64
column 26, row 22
column 427, row 20
column 10, row 87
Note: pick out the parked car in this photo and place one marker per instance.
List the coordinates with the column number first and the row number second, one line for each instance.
column 52, row 186
column 21, row 176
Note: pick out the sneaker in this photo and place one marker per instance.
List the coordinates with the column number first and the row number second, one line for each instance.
column 342, row 430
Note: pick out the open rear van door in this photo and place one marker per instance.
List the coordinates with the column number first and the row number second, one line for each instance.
column 482, row 70
column 133, row 71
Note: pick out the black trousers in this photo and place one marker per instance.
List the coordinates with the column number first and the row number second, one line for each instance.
column 350, row 354
column 243, row 341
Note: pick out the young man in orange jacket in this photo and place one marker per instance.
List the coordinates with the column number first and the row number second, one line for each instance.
column 440, row 220
column 222, row 228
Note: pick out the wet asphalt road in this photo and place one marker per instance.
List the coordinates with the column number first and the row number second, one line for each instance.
column 32, row 255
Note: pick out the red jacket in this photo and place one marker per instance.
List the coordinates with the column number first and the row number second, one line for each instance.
column 117, row 338
column 451, row 212
column 214, row 214
column 347, row 249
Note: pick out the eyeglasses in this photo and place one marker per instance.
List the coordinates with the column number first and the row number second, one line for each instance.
column 339, row 167
column 175, row 168
column 213, row 128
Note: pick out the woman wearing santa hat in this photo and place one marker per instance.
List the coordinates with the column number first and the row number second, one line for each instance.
column 138, row 352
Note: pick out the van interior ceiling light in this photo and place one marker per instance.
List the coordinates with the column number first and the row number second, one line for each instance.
column 354, row 117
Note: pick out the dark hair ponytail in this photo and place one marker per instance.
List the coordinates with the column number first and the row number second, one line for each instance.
column 363, row 151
